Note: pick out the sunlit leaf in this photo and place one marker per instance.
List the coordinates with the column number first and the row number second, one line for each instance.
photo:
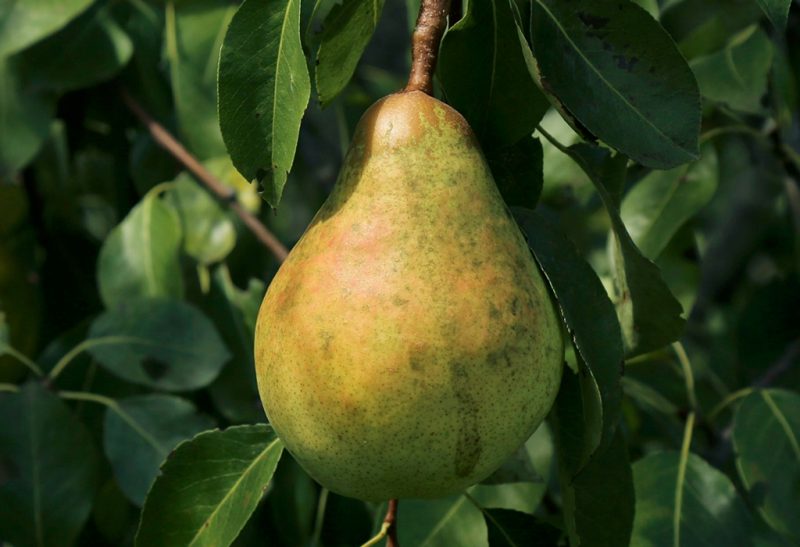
column 140, row 258
column 193, row 35
column 263, row 91
column 659, row 204
column 209, row 487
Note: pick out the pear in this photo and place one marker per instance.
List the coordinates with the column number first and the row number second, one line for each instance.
column 408, row 345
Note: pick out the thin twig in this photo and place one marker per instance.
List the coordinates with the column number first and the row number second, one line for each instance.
column 431, row 23
column 179, row 152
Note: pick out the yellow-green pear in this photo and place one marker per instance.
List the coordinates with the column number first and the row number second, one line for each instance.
column 408, row 345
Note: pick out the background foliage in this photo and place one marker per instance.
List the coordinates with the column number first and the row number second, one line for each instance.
column 658, row 142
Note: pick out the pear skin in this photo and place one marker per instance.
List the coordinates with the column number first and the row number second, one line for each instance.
column 408, row 345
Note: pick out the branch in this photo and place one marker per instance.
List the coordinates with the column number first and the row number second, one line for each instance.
column 214, row 185
column 431, row 22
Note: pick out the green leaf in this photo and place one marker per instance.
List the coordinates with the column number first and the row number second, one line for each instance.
column 485, row 67
column 91, row 49
column 599, row 501
column 737, row 75
column 141, row 256
column 517, row 170
column 24, row 22
column 209, row 487
column 208, row 234
column 777, row 11
column 686, row 502
column 509, row 528
column 139, row 434
column 591, row 322
column 50, row 469
column 457, row 520
column 193, row 33
column 346, row 32
column 263, row 91
column 620, row 74
column 649, row 314
column 663, row 201
column 766, row 438
column 164, row 344
column 26, row 113
column 702, row 27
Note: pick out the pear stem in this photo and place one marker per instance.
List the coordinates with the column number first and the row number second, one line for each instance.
column 391, row 520
column 431, row 23
column 388, row 528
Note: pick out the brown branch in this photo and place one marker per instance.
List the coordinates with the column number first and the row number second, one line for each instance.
column 391, row 521
column 431, row 22
column 214, row 185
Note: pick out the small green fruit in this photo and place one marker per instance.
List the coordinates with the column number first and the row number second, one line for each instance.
column 408, row 345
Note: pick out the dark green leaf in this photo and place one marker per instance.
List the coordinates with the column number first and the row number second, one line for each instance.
column 766, row 437
column 263, row 91
column 165, row 344
column 140, row 258
column 649, row 314
column 89, row 50
column 345, row 33
column 26, row 114
column 517, row 170
column 777, row 11
column 208, row 233
column 139, row 434
column 737, row 75
column 686, row 502
column 23, row 23
column 209, row 487
column 599, row 501
column 663, row 201
column 509, row 528
column 591, row 321
column 193, row 36
column 49, row 467
column 485, row 67
column 619, row 73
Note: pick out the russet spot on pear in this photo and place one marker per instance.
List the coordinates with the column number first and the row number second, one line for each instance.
column 408, row 345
